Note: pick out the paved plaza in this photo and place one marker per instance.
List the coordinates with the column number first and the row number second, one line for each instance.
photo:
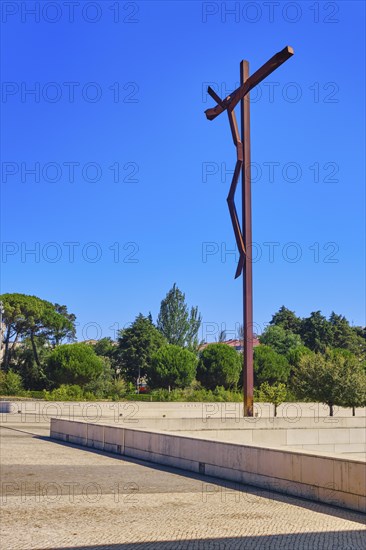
column 59, row 496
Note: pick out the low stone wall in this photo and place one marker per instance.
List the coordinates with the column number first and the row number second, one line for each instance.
column 132, row 411
column 347, row 435
column 333, row 480
column 334, row 435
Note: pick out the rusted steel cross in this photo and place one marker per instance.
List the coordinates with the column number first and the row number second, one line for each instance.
column 243, row 234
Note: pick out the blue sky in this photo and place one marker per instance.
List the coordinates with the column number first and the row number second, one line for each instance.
column 129, row 182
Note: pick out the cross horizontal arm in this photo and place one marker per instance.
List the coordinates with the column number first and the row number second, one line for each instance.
column 214, row 95
column 257, row 77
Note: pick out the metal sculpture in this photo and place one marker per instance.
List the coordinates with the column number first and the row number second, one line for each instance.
column 243, row 234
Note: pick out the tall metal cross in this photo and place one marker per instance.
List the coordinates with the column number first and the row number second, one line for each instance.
column 243, row 233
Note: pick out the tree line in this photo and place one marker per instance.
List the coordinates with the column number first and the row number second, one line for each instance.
column 312, row 358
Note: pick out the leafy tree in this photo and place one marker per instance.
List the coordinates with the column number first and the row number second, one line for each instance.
column 172, row 366
column 340, row 331
column 66, row 330
column 334, row 378
column 219, row 365
column 38, row 320
column 287, row 320
column 316, row 332
column 23, row 362
column 74, row 364
column 353, row 380
column 294, row 356
column 136, row 346
column 359, row 331
column 317, row 380
column 342, row 335
column 105, row 347
column 279, row 339
column 102, row 385
column 269, row 366
column 179, row 326
column 222, row 336
column 275, row 394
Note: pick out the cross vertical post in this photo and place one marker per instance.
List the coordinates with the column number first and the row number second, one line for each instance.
column 247, row 239
column 243, row 232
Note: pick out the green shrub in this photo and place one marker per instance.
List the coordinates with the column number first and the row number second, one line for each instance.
column 119, row 388
column 68, row 392
column 11, row 383
column 189, row 394
column 220, row 394
column 35, row 394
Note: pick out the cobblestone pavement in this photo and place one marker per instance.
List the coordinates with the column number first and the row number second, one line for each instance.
column 57, row 496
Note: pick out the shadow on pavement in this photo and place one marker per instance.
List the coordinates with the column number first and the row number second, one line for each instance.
column 350, row 515
column 331, row 540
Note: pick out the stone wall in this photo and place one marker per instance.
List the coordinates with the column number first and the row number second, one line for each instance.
column 333, row 480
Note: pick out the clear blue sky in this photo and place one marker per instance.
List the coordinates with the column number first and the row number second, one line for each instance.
column 122, row 85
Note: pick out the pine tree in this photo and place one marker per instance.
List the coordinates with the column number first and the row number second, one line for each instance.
column 176, row 323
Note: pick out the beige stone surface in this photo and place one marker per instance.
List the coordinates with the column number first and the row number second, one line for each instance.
column 58, row 496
